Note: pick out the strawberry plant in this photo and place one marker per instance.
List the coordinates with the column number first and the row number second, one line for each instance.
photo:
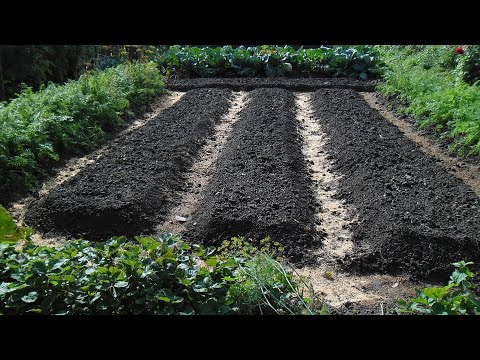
column 162, row 275
column 459, row 297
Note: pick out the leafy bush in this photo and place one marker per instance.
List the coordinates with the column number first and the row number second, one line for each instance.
column 457, row 298
column 152, row 276
column 116, row 277
column 161, row 275
column 426, row 77
column 272, row 61
column 470, row 64
column 38, row 128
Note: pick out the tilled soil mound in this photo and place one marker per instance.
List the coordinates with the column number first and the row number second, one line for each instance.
column 261, row 186
column 413, row 216
column 294, row 84
column 128, row 190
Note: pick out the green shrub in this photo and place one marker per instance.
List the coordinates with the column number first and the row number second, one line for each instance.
column 470, row 64
column 457, row 298
column 161, row 275
column 38, row 128
column 271, row 61
column 426, row 77
column 117, row 277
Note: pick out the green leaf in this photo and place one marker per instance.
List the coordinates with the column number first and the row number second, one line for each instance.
column 421, row 301
column 439, row 309
column 5, row 288
column 9, row 232
column 212, row 262
column 148, row 243
column 40, row 267
column 458, row 277
column 121, row 284
column 31, row 297
column 59, row 263
column 69, row 278
column 435, row 292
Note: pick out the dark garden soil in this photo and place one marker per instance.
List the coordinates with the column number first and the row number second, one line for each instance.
column 129, row 190
column 294, row 84
column 261, row 185
column 413, row 216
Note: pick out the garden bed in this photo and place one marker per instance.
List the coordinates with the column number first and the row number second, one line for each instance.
column 414, row 217
column 128, row 191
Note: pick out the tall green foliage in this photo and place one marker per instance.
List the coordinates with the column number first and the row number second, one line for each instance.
column 430, row 79
column 470, row 64
column 38, row 128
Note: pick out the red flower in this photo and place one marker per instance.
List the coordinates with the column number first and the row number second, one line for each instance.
column 460, row 50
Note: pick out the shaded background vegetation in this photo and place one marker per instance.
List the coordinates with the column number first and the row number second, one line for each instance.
column 35, row 65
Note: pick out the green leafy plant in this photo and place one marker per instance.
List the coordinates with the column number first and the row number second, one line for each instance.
column 150, row 276
column 457, row 298
column 9, row 231
column 469, row 64
column 271, row 61
column 265, row 286
column 265, row 283
column 37, row 129
column 430, row 79
column 161, row 275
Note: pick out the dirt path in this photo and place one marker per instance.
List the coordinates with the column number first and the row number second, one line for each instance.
column 333, row 217
column 202, row 170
